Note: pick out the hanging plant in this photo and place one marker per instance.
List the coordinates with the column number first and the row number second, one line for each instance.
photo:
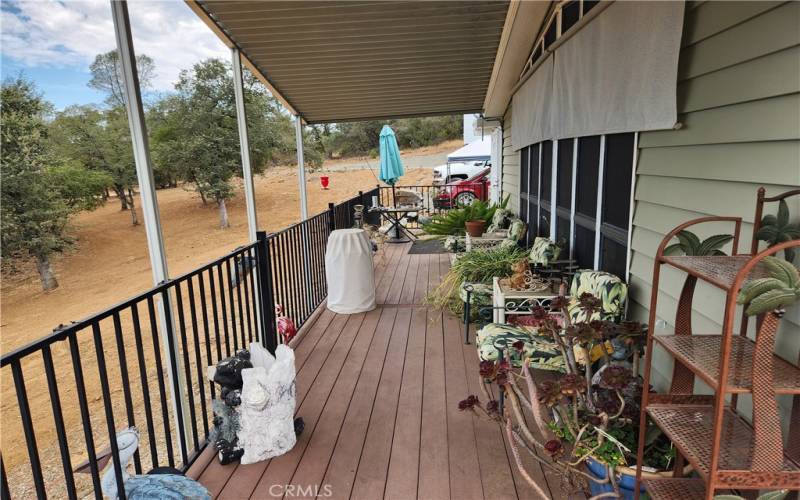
column 778, row 229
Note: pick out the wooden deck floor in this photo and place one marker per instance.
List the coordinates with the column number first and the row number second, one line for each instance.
column 379, row 394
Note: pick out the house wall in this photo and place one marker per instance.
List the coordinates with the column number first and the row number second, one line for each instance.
column 510, row 178
column 739, row 109
column 739, row 106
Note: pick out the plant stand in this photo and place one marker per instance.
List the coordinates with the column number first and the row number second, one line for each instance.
column 507, row 301
column 725, row 450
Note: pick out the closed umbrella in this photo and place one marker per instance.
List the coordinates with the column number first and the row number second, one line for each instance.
column 391, row 165
column 391, row 168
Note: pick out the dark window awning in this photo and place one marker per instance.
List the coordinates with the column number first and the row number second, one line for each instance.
column 355, row 60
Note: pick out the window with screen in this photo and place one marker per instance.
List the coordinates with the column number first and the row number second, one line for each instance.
column 545, row 181
column 615, row 212
column 564, row 192
column 588, row 169
column 600, row 169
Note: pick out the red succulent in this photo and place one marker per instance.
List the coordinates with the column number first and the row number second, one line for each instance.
column 554, row 447
column 469, row 403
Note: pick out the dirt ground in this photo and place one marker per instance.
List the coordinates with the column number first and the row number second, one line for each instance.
column 109, row 263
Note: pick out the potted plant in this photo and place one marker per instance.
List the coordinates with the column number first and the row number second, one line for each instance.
column 588, row 414
column 453, row 222
column 475, row 227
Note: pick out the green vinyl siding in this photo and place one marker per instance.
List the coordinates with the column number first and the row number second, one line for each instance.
column 739, row 114
column 510, row 165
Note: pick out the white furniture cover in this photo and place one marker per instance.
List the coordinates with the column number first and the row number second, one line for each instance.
column 349, row 271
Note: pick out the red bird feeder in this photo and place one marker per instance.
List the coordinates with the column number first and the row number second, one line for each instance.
column 324, row 180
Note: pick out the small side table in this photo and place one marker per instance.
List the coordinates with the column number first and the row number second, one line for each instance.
column 506, row 301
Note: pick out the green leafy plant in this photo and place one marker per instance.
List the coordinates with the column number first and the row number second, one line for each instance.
column 690, row 244
column 778, row 229
column 475, row 266
column 779, row 290
column 452, row 222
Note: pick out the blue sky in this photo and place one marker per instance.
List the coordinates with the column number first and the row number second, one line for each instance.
column 54, row 42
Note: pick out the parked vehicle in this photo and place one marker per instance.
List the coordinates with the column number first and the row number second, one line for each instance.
column 450, row 172
column 464, row 192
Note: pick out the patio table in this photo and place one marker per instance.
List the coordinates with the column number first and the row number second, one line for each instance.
column 395, row 215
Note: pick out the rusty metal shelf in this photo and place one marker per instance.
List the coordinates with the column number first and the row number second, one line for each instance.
column 675, row 488
column 690, row 428
column 720, row 271
column 702, row 354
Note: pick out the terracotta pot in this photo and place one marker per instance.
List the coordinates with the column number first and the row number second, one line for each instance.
column 475, row 228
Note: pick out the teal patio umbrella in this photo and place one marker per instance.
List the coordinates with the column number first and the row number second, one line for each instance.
column 391, row 165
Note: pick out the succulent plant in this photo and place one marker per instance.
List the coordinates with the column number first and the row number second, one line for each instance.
column 777, row 229
column 690, row 244
column 779, row 290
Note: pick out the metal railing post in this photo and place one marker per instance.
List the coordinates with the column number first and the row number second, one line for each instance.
column 332, row 217
column 268, row 333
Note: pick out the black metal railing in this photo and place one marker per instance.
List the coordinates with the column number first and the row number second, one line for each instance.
column 429, row 199
column 124, row 366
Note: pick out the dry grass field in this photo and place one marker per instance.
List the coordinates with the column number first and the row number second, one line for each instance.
column 108, row 264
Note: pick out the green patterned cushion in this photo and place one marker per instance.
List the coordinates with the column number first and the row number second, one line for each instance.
column 516, row 230
column 544, row 251
column 500, row 220
column 541, row 351
column 608, row 287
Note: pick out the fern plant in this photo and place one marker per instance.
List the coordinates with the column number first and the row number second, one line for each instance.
column 452, row 222
column 690, row 244
column 779, row 290
column 778, row 229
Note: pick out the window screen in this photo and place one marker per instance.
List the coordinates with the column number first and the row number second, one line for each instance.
column 570, row 13
column 523, row 183
column 589, row 5
column 617, row 179
column 588, row 168
column 584, row 246
column 550, row 35
column 613, row 256
column 547, row 167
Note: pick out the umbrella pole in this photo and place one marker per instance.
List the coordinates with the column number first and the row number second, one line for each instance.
column 394, row 196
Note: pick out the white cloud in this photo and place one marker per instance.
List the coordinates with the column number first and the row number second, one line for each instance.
column 71, row 33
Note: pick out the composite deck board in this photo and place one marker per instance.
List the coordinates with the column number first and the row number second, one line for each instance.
column 379, row 394
column 465, row 478
column 410, row 281
column 281, row 469
column 496, row 473
column 434, row 453
column 343, row 465
column 403, row 474
column 313, row 465
column 371, row 475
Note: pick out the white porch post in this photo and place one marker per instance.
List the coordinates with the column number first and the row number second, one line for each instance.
column 247, row 170
column 301, row 169
column 244, row 146
column 301, row 178
column 152, row 219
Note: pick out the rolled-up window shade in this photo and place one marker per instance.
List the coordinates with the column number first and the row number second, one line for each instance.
column 531, row 108
column 618, row 73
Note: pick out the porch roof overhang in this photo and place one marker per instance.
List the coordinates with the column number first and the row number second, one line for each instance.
column 359, row 60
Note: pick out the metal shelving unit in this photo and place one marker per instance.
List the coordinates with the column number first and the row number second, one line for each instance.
column 726, row 450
